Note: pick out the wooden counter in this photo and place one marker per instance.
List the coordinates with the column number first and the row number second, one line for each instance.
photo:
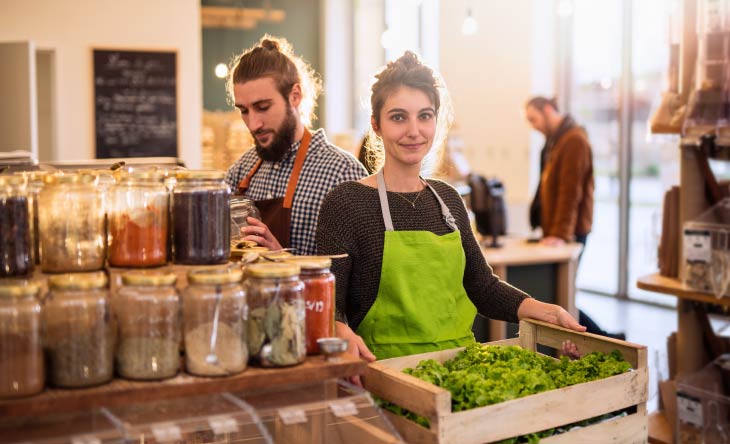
column 517, row 252
column 123, row 392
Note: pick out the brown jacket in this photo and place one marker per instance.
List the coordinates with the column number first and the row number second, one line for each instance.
column 566, row 187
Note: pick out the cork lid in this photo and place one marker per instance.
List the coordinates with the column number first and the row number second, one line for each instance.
column 78, row 281
column 200, row 175
column 149, row 278
column 272, row 270
column 310, row 262
column 18, row 288
column 218, row 275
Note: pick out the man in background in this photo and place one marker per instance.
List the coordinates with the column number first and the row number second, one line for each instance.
column 563, row 202
column 290, row 170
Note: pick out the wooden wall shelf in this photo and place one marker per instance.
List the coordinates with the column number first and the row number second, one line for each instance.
column 123, row 392
column 674, row 287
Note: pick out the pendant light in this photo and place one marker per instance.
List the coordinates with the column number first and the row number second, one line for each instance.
column 470, row 25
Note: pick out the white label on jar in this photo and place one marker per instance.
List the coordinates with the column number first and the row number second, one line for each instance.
column 689, row 409
column 343, row 408
column 292, row 416
column 85, row 439
column 223, row 424
column 697, row 246
column 166, row 432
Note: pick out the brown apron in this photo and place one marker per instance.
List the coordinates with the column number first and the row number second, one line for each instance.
column 276, row 213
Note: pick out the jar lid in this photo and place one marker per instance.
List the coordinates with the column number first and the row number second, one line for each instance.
column 140, row 176
column 277, row 256
column 310, row 262
column 150, row 278
column 78, row 281
column 18, row 288
column 200, row 175
column 69, row 178
column 210, row 275
column 11, row 180
column 273, row 270
column 36, row 176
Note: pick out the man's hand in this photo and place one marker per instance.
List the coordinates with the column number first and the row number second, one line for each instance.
column 356, row 347
column 258, row 232
column 552, row 241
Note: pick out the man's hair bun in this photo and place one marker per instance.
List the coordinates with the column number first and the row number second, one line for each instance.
column 271, row 45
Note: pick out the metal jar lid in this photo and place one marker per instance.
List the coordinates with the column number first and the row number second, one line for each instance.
column 273, row 270
column 149, row 278
column 227, row 275
column 78, row 281
column 18, row 288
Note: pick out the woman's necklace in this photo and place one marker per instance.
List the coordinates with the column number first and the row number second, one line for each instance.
column 412, row 202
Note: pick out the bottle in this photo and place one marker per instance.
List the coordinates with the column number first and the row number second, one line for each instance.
column 71, row 224
column 138, row 228
column 214, row 315
column 15, row 228
column 276, row 325
column 241, row 208
column 80, row 330
column 201, row 218
column 21, row 346
column 147, row 309
column 319, row 298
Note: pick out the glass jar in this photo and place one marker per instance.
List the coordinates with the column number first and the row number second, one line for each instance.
column 34, row 184
column 138, row 216
column 21, row 347
column 71, row 224
column 147, row 310
column 241, row 208
column 201, row 218
column 276, row 325
column 80, row 330
column 319, row 298
column 15, row 243
column 214, row 315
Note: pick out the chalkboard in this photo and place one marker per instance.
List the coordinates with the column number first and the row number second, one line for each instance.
column 135, row 103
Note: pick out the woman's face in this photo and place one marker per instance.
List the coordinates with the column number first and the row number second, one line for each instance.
column 407, row 126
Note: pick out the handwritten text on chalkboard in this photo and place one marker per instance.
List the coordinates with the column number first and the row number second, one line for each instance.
column 135, row 102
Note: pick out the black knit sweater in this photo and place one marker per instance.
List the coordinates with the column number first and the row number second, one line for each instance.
column 350, row 221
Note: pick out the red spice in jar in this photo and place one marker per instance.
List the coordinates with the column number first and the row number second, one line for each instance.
column 319, row 299
column 138, row 244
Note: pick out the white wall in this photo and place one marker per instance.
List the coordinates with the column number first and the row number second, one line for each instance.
column 490, row 76
column 73, row 28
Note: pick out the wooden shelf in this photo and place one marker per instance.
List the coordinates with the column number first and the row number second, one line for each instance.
column 122, row 392
column 659, row 429
column 671, row 286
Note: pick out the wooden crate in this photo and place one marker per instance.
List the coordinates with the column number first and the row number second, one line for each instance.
column 526, row 415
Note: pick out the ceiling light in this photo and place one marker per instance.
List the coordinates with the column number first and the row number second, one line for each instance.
column 221, row 70
column 470, row 25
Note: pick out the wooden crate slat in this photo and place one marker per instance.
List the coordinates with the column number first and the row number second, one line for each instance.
column 631, row 429
column 411, row 432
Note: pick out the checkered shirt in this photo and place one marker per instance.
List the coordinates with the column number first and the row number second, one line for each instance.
column 325, row 167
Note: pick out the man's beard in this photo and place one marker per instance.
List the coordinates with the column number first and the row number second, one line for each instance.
column 281, row 140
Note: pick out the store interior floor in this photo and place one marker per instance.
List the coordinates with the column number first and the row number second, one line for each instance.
column 643, row 324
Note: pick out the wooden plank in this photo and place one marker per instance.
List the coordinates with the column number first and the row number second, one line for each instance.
column 545, row 410
column 528, row 336
column 660, row 431
column 122, row 392
column 407, row 391
column 674, row 287
column 630, row 429
column 411, row 432
column 517, row 251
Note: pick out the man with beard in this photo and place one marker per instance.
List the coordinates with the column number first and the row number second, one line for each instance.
column 290, row 170
column 563, row 202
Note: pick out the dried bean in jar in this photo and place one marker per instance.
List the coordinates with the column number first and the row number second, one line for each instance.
column 201, row 227
column 15, row 246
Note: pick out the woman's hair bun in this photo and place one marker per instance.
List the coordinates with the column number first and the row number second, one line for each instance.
column 272, row 45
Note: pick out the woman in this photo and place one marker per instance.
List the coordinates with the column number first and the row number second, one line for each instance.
column 415, row 276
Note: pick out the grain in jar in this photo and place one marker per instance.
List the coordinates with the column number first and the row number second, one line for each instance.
column 15, row 228
column 214, row 316
column 80, row 330
column 147, row 309
column 21, row 346
column 276, row 324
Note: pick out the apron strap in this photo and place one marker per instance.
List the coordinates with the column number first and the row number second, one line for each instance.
column 245, row 183
column 382, row 194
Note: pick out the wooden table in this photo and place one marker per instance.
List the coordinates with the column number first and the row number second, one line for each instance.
column 517, row 252
column 124, row 392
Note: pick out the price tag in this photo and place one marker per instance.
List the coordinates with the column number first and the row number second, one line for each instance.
column 166, row 432
column 697, row 246
column 689, row 410
column 292, row 416
column 223, row 424
column 343, row 408
column 85, row 439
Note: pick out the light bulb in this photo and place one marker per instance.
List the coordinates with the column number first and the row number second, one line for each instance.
column 470, row 25
column 221, row 70
column 388, row 39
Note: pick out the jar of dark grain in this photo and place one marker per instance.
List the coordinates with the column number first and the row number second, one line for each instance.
column 15, row 228
column 201, row 218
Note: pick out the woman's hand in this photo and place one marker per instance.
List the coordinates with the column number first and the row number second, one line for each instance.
column 258, row 232
column 356, row 347
column 551, row 313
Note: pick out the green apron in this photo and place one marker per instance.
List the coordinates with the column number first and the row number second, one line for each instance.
column 421, row 304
